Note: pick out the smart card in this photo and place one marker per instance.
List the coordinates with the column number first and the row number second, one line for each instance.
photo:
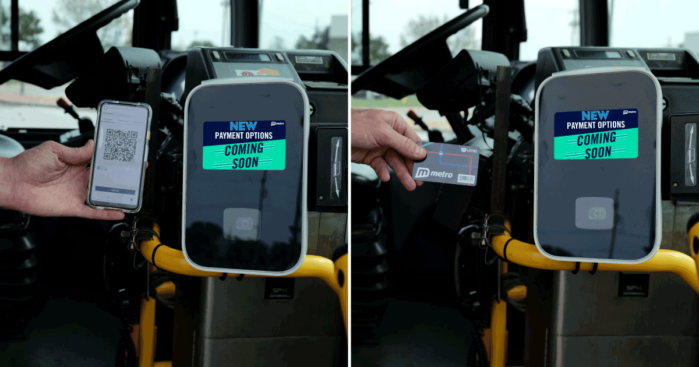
column 448, row 163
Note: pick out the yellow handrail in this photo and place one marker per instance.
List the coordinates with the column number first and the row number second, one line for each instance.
column 319, row 267
column 498, row 328
column 526, row 254
column 664, row 261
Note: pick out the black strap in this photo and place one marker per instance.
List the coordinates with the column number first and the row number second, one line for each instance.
column 577, row 268
column 240, row 277
column 594, row 269
column 504, row 251
column 152, row 258
column 224, row 276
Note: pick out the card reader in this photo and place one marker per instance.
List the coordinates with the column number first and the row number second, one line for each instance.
column 597, row 166
column 245, row 176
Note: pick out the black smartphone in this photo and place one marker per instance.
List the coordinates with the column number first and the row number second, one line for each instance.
column 121, row 150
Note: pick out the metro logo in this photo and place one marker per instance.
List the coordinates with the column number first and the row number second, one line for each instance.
column 422, row 172
column 243, row 125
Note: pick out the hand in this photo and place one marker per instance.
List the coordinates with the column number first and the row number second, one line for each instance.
column 50, row 181
column 382, row 138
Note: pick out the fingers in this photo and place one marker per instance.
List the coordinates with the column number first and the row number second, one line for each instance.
column 401, row 137
column 404, row 145
column 86, row 212
column 401, row 169
column 74, row 156
column 410, row 163
column 398, row 123
column 381, row 168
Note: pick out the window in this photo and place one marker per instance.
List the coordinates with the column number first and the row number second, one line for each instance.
column 202, row 23
column 42, row 20
column 305, row 24
column 644, row 23
column 395, row 24
column 283, row 25
column 28, row 106
column 550, row 23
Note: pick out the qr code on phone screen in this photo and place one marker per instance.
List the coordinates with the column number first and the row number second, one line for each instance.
column 120, row 145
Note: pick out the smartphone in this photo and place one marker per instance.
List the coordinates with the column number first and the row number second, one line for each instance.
column 118, row 164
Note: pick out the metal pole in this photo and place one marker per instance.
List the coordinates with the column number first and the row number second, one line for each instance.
column 594, row 23
column 497, row 204
column 14, row 24
column 152, row 97
column 245, row 23
column 366, row 42
column 502, row 122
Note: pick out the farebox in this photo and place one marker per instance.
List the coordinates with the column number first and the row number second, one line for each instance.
column 245, row 168
column 597, row 166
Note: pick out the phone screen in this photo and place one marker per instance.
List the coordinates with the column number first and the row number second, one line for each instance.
column 119, row 156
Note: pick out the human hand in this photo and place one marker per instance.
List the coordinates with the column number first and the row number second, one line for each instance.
column 50, row 180
column 383, row 138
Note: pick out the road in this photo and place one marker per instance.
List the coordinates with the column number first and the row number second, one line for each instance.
column 22, row 116
column 35, row 107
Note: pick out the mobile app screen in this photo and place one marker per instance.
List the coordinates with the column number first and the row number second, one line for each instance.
column 116, row 175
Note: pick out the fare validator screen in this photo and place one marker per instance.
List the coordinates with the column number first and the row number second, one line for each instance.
column 116, row 175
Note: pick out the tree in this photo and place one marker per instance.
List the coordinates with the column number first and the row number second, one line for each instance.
column 277, row 43
column 424, row 24
column 69, row 13
column 318, row 41
column 29, row 28
column 201, row 44
column 378, row 49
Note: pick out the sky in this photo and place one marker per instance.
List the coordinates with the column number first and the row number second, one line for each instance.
column 635, row 23
column 203, row 19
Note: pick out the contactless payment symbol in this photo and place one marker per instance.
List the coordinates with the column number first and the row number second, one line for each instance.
column 244, row 223
column 597, row 213
column 244, row 145
column 604, row 134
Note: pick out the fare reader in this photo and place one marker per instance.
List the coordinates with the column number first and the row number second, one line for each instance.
column 597, row 170
column 245, row 175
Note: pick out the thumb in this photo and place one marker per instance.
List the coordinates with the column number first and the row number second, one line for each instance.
column 405, row 146
column 76, row 155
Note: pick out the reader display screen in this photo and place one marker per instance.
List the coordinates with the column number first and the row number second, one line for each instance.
column 244, row 145
column 237, row 56
column 589, row 54
column 603, row 134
